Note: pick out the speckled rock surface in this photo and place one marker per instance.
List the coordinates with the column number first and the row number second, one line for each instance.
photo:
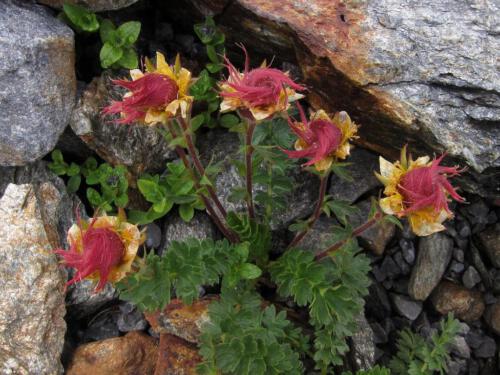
column 406, row 70
column 134, row 353
column 93, row 5
column 434, row 254
column 139, row 148
column 465, row 304
column 176, row 229
column 37, row 81
column 32, row 308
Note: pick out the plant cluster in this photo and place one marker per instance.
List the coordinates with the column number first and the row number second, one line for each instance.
column 117, row 49
column 245, row 333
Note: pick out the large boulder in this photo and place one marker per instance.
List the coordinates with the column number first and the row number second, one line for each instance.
column 32, row 308
column 93, row 5
column 418, row 72
column 37, row 81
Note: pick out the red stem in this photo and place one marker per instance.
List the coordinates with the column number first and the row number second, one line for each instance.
column 230, row 235
column 356, row 232
column 316, row 214
column 249, row 172
column 199, row 167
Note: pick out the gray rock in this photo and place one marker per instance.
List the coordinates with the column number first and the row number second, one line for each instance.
column 458, row 255
column 32, row 309
column 153, row 236
column 457, row 367
column 456, row 267
column 82, row 301
column 131, row 319
column 471, row 277
column 490, row 241
column 492, row 317
column 403, row 266
column 104, row 325
column 93, row 5
column 364, row 163
column 434, row 254
column 459, row 347
column 408, row 250
column 219, row 146
column 377, row 302
column 379, row 334
column 406, row 307
column 140, row 148
column 362, row 345
column 176, row 229
column 389, row 267
column 37, row 80
column 487, row 348
column 378, row 236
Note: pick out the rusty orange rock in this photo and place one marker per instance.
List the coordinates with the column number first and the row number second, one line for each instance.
column 176, row 356
column 182, row 320
column 465, row 304
column 134, row 353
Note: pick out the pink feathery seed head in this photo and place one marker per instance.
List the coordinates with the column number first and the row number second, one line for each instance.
column 427, row 187
column 322, row 138
column 152, row 90
column 259, row 86
column 102, row 250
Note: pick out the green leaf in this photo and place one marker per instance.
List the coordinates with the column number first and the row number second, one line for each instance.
column 394, row 220
column 229, row 120
column 249, row 271
column 94, row 197
column 73, row 169
column 128, row 59
column 342, row 209
column 74, row 183
column 205, row 31
column 81, row 17
column 197, row 121
column 110, row 54
column 150, row 190
column 298, row 226
column 129, row 32
column 340, row 170
column 212, row 54
column 107, row 32
column 121, row 200
column 214, row 67
column 186, row 211
column 57, row 156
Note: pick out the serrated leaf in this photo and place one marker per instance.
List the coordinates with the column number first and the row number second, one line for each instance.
column 197, row 121
column 94, row 197
column 150, row 190
column 121, row 200
column 229, row 120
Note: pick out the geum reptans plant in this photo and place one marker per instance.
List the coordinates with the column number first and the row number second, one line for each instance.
column 102, row 248
column 245, row 334
column 419, row 190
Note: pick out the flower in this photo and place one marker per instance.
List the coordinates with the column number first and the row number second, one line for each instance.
column 322, row 139
column 102, row 248
column 154, row 96
column 263, row 91
column 420, row 190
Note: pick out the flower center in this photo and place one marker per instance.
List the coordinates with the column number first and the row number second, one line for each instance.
column 102, row 248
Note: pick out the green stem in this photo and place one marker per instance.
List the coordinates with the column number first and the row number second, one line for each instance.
column 228, row 233
column 249, row 172
column 317, row 211
column 199, row 167
column 356, row 232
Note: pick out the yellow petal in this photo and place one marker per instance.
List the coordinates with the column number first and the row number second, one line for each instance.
column 323, row 164
column 154, row 117
column 386, row 168
column 162, row 66
column 136, row 74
